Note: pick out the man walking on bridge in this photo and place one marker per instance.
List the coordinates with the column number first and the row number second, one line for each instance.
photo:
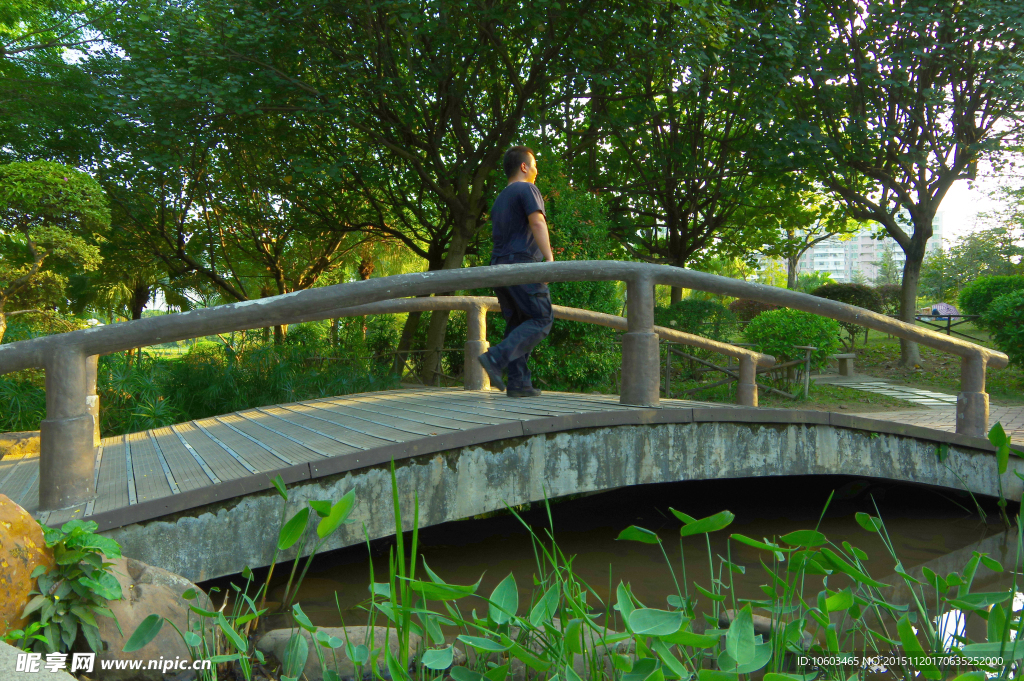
column 520, row 235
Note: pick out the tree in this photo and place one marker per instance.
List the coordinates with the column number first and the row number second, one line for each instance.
column 793, row 221
column 50, row 216
column 680, row 127
column 898, row 99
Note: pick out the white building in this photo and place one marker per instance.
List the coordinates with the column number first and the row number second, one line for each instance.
column 858, row 256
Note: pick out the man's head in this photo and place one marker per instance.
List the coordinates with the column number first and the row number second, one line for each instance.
column 520, row 164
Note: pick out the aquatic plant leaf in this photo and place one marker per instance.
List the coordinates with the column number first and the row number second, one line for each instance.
column 144, row 633
column 868, row 522
column 764, row 546
column 546, row 607
column 839, row 601
column 806, row 538
column 652, row 622
column 762, row 655
column 712, row 523
column 715, row 675
column 483, row 644
column 634, row 533
column 295, row 654
column 292, row 530
column 465, row 674
column 339, row 513
column 504, row 601
column 278, row 483
column 739, row 639
column 438, row 658
column 914, row 649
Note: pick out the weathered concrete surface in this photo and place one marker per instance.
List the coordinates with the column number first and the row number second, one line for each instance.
column 222, row 539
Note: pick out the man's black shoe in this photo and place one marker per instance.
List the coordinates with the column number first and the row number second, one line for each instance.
column 493, row 372
column 523, row 392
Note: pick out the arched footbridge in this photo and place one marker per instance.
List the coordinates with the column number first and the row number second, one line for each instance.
column 197, row 498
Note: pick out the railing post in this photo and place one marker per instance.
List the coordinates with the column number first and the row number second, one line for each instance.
column 640, row 365
column 66, row 452
column 92, row 400
column 475, row 378
column 746, row 388
column 972, row 402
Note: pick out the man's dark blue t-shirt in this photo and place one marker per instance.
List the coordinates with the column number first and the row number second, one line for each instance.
column 510, row 226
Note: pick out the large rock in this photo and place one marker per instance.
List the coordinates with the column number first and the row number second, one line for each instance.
column 147, row 590
column 9, row 663
column 18, row 445
column 21, row 549
column 274, row 643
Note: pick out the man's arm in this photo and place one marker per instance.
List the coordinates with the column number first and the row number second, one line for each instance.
column 539, row 227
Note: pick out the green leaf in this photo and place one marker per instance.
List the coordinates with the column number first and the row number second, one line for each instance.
column 868, row 522
column 1010, row 650
column 504, row 601
column 807, row 538
column 396, row 670
column 713, row 523
column 757, row 544
column 980, row 601
column 713, row 675
column 739, row 639
column 652, row 622
column 189, row 594
column 913, row 648
column 322, row 507
column 991, row 564
column 687, row 519
column 438, row 659
column 231, row 634
column 634, row 533
column 707, row 594
column 442, row 592
column 144, row 633
column 278, row 483
column 464, row 674
column 481, row 644
column 762, row 655
column 339, row 512
column 547, row 606
column 301, row 619
column 839, row 601
column 292, row 530
column 573, row 637
column 669, row 659
column 295, row 654
column 688, row 638
column 839, row 564
column 997, row 436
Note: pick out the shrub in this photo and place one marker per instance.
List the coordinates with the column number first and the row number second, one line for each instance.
column 976, row 297
column 776, row 332
column 1005, row 318
column 851, row 294
column 745, row 310
column 889, row 299
column 309, row 335
column 707, row 318
column 808, row 281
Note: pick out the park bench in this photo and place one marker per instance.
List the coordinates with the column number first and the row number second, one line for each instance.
column 845, row 363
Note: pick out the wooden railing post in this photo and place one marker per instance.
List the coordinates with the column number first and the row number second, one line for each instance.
column 746, row 388
column 640, row 365
column 972, row 402
column 92, row 400
column 475, row 378
column 66, row 452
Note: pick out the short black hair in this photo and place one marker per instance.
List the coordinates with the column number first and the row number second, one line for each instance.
column 515, row 157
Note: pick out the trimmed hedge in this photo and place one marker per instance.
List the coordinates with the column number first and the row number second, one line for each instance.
column 707, row 318
column 745, row 310
column 976, row 297
column 776, row 332
column 851, row 294
column 1005, row 318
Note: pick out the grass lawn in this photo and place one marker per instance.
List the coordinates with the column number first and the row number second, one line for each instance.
column 939, row 371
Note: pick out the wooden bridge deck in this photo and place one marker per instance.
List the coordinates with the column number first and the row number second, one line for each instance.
column 156, row 464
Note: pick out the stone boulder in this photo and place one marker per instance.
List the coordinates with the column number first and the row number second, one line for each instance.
column 21, row 549
column 18, row 445
column 147, row 590
column 274, row 643
column 9, row 663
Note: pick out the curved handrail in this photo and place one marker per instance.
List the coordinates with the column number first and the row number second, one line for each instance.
column 321, row 303
column 574, row 314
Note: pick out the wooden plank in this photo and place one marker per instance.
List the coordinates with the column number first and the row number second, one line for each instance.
column 186, row 470
column 400, row 404
column 58, row 518
column 488, row 417
column 220, row 443
column 7, row 469
column 391, row 412
column 133, row 497
column 261, row 445
column 387, row 421
column 273, row 425
column 195, row 455
column 31, row 467
column 359, row 424
column 484, row 405
column 307, row 429
column 163, row 464
column 287, row 451
column 222, row 463
column 111, row 486
column 150, row 482
column 96, row 468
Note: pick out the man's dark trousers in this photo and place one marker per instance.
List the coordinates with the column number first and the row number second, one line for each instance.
column 528, row 320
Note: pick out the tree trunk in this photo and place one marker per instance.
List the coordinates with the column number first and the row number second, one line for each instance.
column 910, row 354
column 405, row 342
column 334, row 332
column 676, row 295
column 3, row 324
column 439, row 318
column 280, row 332
column 365, row 269
column 791, row 274
column 140, row 298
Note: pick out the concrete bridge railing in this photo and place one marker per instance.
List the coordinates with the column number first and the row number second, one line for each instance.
column 67, row 434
